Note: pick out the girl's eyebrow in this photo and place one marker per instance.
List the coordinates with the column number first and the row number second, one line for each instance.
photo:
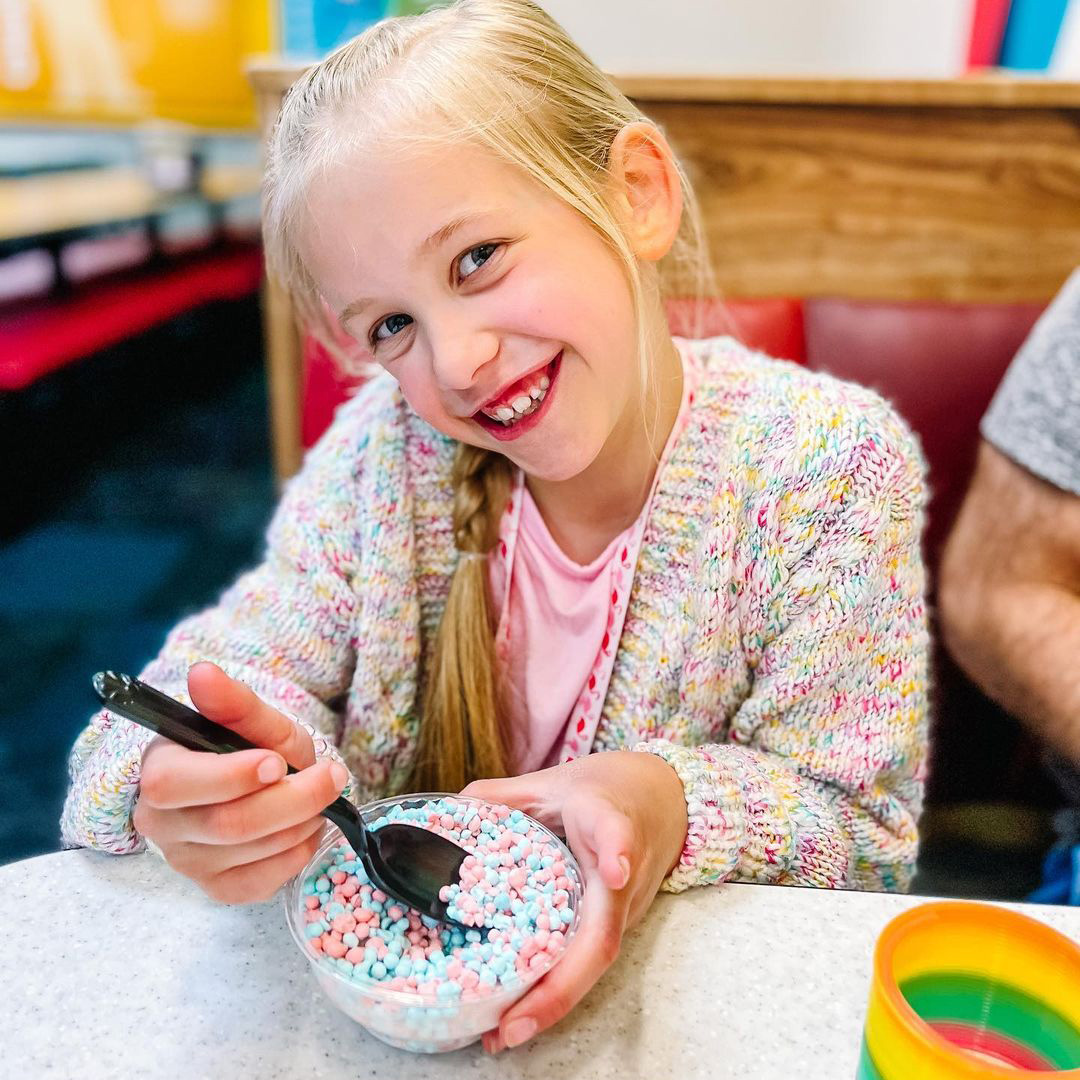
column 440, row 236
column 432, row 243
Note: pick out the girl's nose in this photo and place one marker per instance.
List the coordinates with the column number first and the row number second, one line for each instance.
column 458, row 353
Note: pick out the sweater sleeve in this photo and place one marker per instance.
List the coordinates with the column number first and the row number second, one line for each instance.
column 821, row 783
column 284, row 629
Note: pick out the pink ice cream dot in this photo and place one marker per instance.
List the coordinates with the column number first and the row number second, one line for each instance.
column 333, row 948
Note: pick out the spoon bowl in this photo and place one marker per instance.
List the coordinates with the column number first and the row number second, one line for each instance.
column 406, row 862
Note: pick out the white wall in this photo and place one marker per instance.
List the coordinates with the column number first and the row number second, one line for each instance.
column 770, row 37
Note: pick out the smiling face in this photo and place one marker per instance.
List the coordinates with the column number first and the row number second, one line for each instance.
column 486, row 297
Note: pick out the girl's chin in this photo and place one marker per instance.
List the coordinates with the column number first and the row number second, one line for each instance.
column 566, row 464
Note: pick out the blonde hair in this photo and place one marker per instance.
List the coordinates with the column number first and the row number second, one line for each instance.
column 503, row 74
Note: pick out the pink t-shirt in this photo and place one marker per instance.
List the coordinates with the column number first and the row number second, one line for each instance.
column 559, row 622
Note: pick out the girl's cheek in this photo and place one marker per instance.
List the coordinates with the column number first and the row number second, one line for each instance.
column 424, row 401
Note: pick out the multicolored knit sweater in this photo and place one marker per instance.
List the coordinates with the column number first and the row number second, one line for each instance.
column 774, row 650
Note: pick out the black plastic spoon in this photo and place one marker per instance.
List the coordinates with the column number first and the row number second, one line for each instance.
column 407, row 862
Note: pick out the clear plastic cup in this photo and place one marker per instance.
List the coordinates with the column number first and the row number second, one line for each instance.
column 398, row 1017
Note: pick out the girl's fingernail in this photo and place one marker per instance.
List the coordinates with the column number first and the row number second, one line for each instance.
column 271, row 769
column 624, row 866
column 339, row 773
column 520, row 1030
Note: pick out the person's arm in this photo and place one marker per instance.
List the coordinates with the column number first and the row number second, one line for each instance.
column 284, row 629
column 821, row 781
column 1009, row 596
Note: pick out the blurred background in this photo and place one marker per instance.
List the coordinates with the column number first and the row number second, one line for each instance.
column 153, row 393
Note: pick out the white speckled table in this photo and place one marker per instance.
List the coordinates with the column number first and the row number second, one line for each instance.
column 116, row 967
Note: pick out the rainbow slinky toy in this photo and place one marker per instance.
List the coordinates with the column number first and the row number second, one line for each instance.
column 964, row 990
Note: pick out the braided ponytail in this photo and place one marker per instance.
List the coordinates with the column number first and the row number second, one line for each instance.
column 461, row 738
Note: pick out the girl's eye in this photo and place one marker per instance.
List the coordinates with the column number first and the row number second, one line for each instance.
column 392, row 324
column 474, row 258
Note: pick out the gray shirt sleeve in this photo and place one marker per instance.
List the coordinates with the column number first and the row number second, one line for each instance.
column 1035, row 415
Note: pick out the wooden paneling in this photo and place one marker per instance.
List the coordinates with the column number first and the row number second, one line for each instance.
column 990, row 90
column 960, row 204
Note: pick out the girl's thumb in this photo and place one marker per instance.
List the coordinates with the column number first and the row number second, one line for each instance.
column 613, row 842
column 510, row 790
column 535, row 793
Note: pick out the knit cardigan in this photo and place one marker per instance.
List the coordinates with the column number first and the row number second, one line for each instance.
column 774, row 651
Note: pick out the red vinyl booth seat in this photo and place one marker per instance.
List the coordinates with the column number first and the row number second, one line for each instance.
column 939, row 365
column 40, row 336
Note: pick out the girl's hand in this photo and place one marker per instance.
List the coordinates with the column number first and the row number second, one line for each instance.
column 624, row 817
column 235, row 823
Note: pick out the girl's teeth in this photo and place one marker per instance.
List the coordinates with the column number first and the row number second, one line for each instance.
column 522, row 405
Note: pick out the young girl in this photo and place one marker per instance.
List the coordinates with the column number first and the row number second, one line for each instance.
column 549, row 529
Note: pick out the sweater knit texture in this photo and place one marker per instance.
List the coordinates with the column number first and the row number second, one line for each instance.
column 774, row 651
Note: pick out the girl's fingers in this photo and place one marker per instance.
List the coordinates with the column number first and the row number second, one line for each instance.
column 295, row 799
column 538, row 794
column 210, row 860
column 595, row 828
column 228, row 701
column 257, row 882
column 602, row 839
column 592, row 951
column 509, row 790
column 173, row 776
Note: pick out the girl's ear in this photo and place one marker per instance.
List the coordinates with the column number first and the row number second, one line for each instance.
column 647, row 190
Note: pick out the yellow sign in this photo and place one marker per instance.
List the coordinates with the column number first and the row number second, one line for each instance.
column 131, row 60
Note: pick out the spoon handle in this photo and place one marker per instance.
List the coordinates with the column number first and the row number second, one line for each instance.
column 138, row 701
